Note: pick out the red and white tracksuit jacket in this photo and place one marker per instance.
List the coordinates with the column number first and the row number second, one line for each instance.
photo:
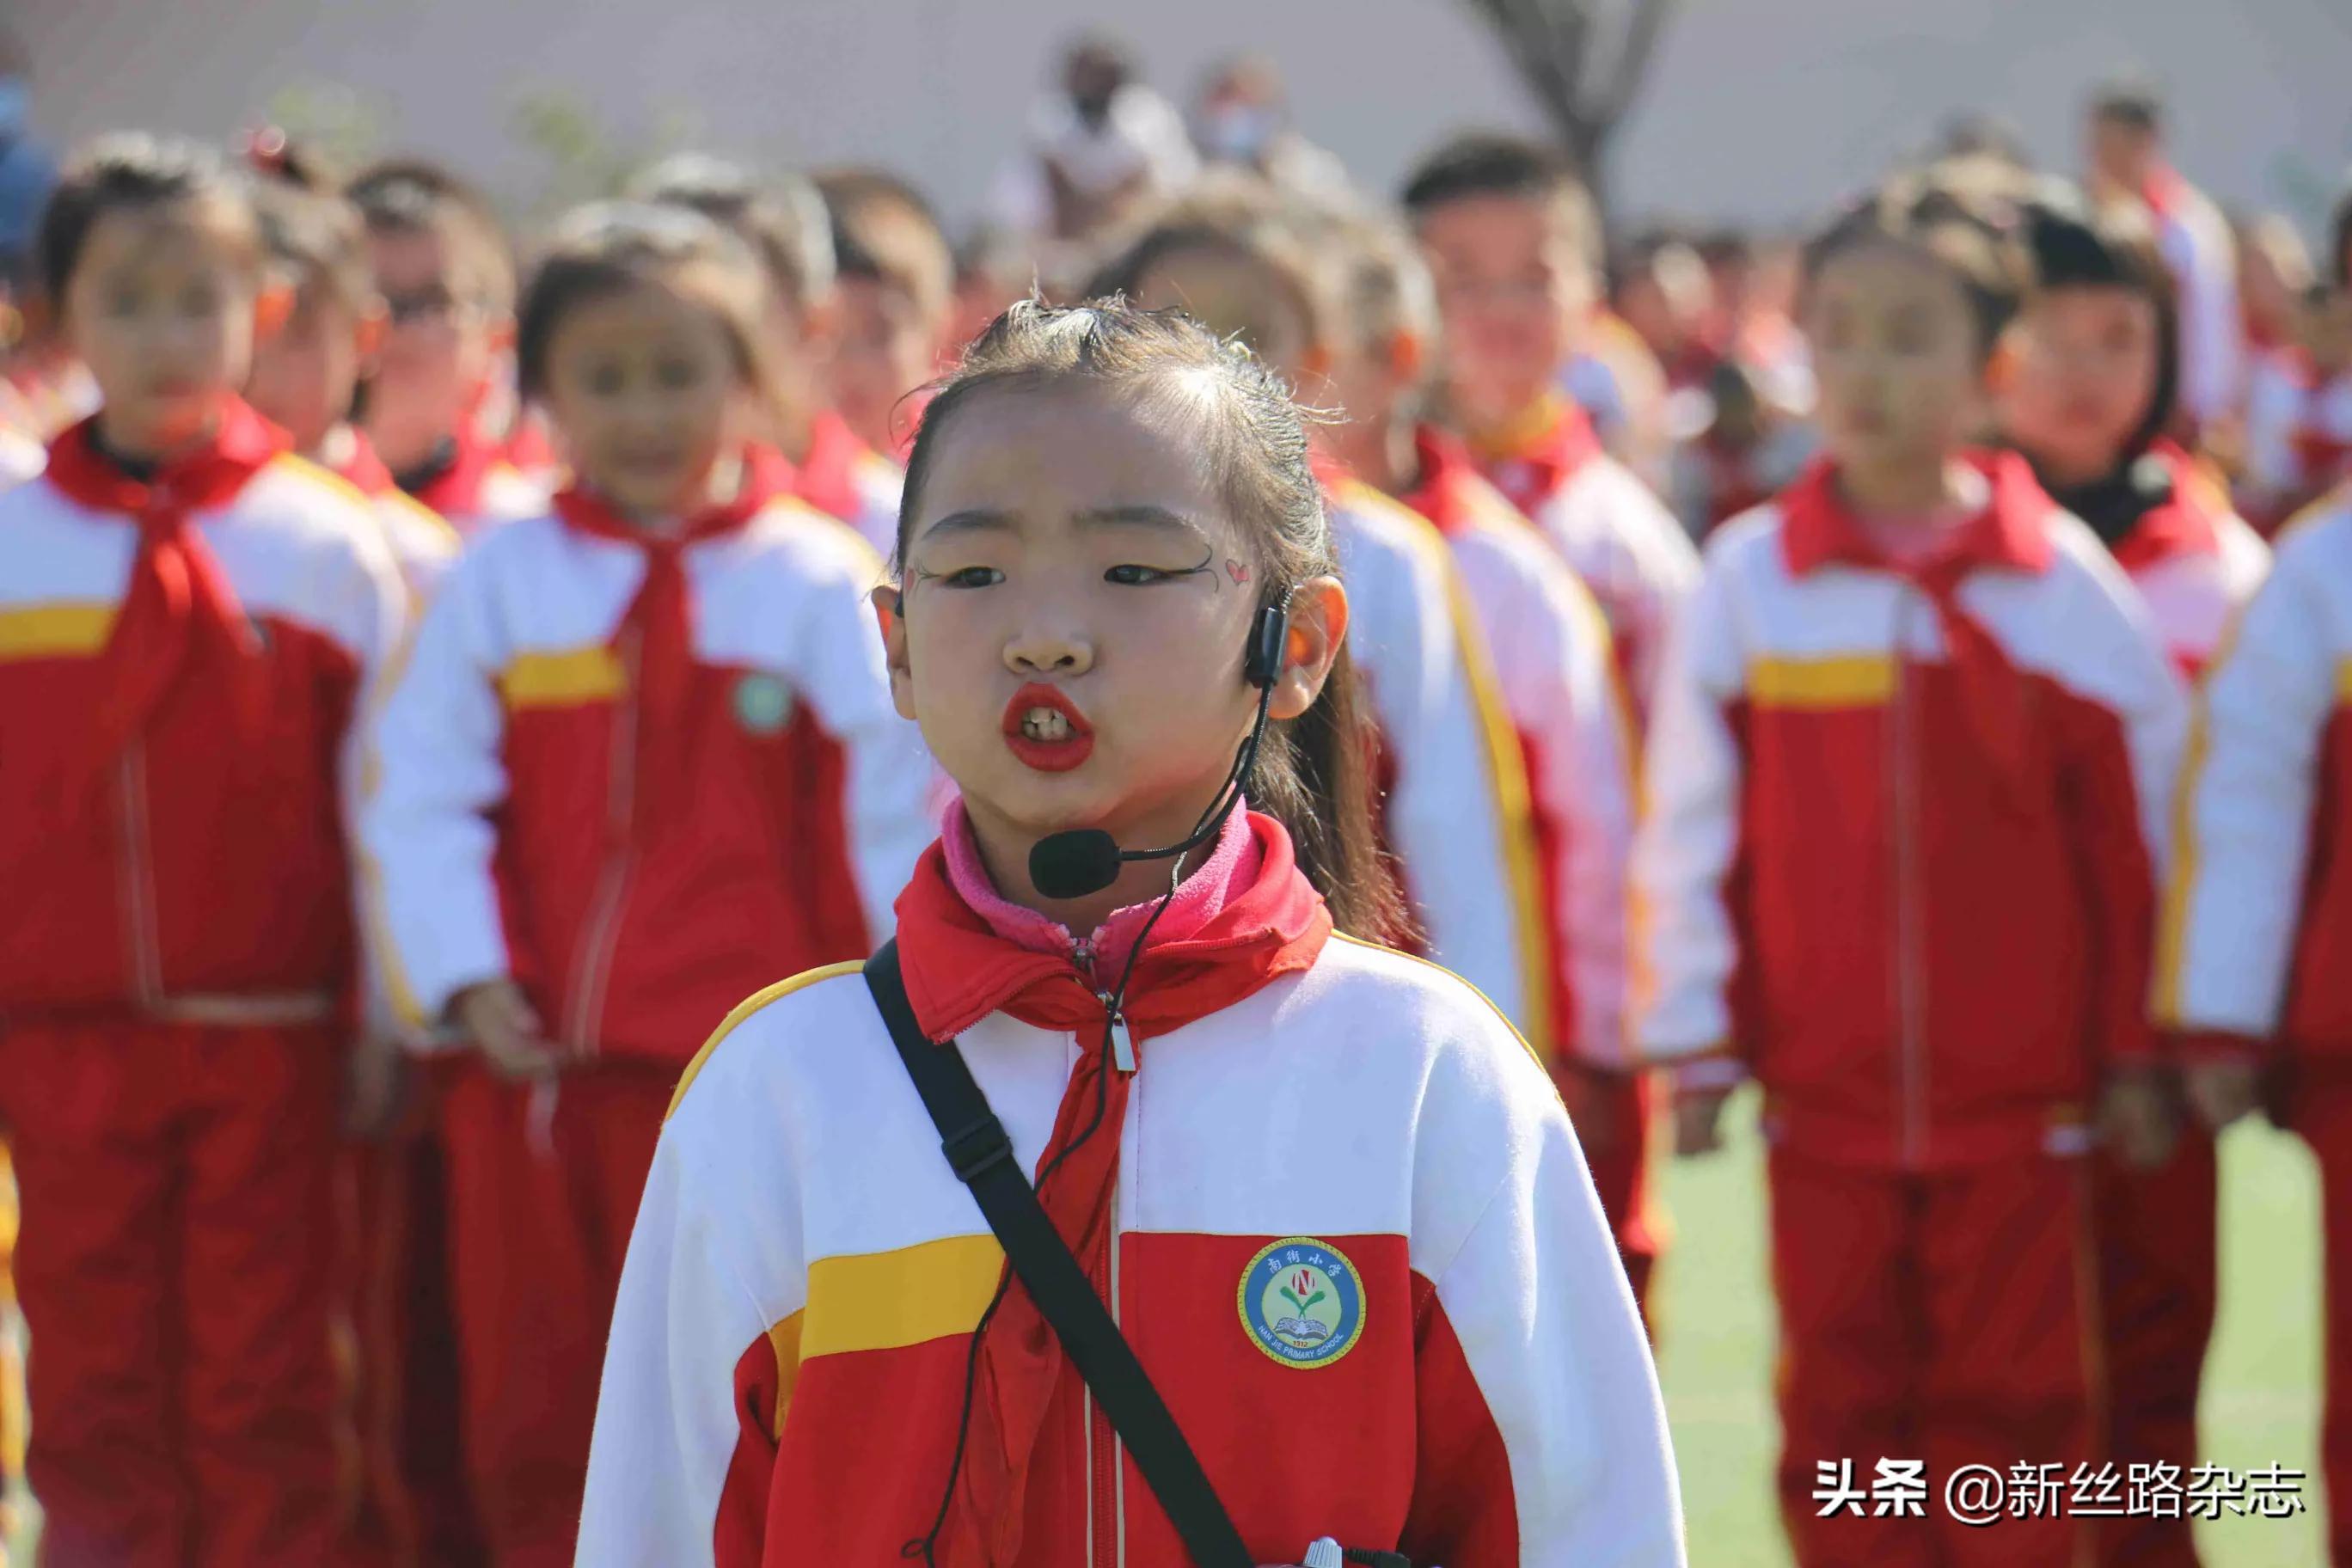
column 423, row 544
column 1455, row 808
column 1551, row 656
column 476, row 487
column 638, row 833
column 2195, row 565
column 182, row 660
column 1606, row 524
column 1984, row 764
column 2203, row 254
column 844, row 479
column 2256, row 950
column 1324, row 1117
column 2298, row 431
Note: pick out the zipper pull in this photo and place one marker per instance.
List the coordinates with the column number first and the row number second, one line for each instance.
column 1122, row 1045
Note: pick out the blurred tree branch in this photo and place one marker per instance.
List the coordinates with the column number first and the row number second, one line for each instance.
column 1584, row 61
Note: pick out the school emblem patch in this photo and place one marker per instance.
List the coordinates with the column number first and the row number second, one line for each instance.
column 763, row 704
column 1302, row 1303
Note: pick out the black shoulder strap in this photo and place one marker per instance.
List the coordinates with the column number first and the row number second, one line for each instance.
column 981, row 1155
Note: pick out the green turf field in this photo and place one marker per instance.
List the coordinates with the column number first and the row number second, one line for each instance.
column 2260, row 1397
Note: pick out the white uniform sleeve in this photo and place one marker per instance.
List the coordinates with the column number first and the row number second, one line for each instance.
column 1585, row 782
column 1553, row 1350
column 438, row 774
column 2197, row 247
column 377, row 611
column 1444, row 816
column 892, row 787
column 668, row 1419
column 1684, row 943
column 2244, row 815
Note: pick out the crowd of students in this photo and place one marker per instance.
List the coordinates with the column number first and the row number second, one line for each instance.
column 438, row 695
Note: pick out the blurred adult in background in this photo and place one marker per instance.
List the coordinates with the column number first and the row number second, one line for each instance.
column 2274, row 273
column 27, row 168
column 896, row 287
column 1097, row 145
column 2126, row 158
column 1241, row 119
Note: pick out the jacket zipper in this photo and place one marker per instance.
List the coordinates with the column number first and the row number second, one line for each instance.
column 1106, row 1490
column 603, row 931
column 1911, row 1068
column 139, row 879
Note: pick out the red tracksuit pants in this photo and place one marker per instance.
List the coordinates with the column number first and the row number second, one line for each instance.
column 2322, row 1115
column 175, row 1271
column 542, row 1195
column 1939, row 1318
column 2157, row 1295
column 416, row 1505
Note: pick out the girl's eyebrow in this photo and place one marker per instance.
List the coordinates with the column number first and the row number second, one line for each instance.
column 973, row 520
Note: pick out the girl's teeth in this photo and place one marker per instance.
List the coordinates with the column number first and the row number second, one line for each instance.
column 1045, row 724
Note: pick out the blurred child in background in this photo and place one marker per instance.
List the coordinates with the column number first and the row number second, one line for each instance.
column 1745, row 447
column 187, row 622
column 2255, row 972
column 2086, row 394
column 642, row 761
column 2299, row 410
column 785, row 223
column 896, row 283
column 1510, row 235
column 448, row 282
column 1451, row 801
column 1557, row 682
column 1911, row 752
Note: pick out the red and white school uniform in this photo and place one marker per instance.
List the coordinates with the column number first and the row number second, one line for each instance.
column 640, row 774
column 2256, row 953
column 471, row 486
column 1550, row 654
column 2201, row 252
column 788, row 1361
column 1453, row 802
column 416, row 1506
column 1606, row 524
column 2298, row 433
column 181, row 661
column 2195, row 563
column 848, row 481
column 1897, row 862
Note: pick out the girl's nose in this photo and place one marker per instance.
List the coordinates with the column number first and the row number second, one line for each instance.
column 1037, row 651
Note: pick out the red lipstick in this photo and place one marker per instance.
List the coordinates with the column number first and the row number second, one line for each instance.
column 1052, row 753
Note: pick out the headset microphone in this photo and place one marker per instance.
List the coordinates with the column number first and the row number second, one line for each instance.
column 1086, row 860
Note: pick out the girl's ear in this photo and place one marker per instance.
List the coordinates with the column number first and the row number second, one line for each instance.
column 889, row 612
column 2000, row 365
column 1318, row 626
column 375, row 323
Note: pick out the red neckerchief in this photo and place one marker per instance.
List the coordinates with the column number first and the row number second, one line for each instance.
column 1530, row 467
column 361, row 468
column 1818, row 529
column 2188, row 524
column 659, row 621
column 958, row 969
column 827, row 476
column 179, row 612
column 1449, row 481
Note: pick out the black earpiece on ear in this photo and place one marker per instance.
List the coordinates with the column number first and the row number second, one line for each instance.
column 1262, row 665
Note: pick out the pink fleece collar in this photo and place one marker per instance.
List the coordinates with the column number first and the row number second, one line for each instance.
column 1232, row 867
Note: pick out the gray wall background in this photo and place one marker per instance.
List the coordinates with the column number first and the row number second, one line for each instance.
column 1758, row 109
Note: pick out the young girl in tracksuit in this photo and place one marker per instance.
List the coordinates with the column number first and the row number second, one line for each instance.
column 1911, row 751
column 2086, row 392
column 795, row 1375
column 189, row 617
column 641, row 761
